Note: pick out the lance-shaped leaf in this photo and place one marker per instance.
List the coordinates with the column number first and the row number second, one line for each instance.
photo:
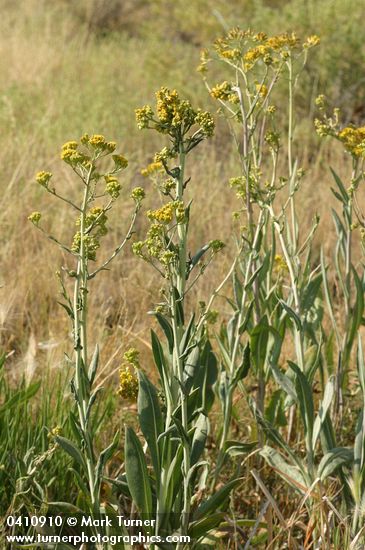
column 236, row 448
column 259, row 340
column 167, row 328
column 333, row 459
column 294, row 317
column 305, row 398
column 217, row 500
column 150, row 418
column 136, row 472
column 93, row 365
column 244, row 367
column 71, row 449
column 199, row 438
column 323, row 410
column 106, row 455
column 291, row 474
column 158, row 356
column 358, row 310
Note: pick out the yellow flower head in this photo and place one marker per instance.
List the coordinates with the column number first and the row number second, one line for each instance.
column 35, row 217
column 97, row 140
column 120, row 162
column 164, row 214
column 70, row 145
column 128, row 384
column 311, row 41
column 138, row 194
column 262, row 90
column 43, row 178
column 353, row 140
column 152, row 169
column 280, row 265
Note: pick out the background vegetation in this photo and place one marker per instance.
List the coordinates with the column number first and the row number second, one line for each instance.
column 71, row 67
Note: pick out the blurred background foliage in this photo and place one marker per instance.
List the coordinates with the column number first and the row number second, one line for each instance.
column 70, row 67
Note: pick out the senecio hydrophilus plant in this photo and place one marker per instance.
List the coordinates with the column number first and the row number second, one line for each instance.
column 253, row 63
column 99, row 190
column 174, row 418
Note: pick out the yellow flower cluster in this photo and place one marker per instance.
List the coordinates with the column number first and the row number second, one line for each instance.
column 120, row 162
column 43, row 178
column 174, row 116
column 280, row 265
column 143, row 116
column 262, row 90
column 112, row 186
column 128, row 382
column 312, row 41
column 216, row 245
column 95, row 222
column 165, row 214
column 96, row 144
column 71, row 155
column 138, row 194
column 154, row 247
column 352, row 137
column 96, row 218
column 239, row 185
column 91, row 244
column 353, row 140
column 54, row 432
column 273, row 139
column 35, row 217
column 151, row 169
column 249, row 47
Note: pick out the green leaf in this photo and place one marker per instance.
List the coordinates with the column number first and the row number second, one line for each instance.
column 199, row 438
column 104, row 456
column 136, row 472
column 202, row 527
column 311, row 292
column 284, row 381
column 244, row 367
column 159, row 357
column 167, row 328
column 304, row 393
column 71, row 449
column 196, row 258
column 291, row 474
column 179, row 307
column 259, row 340
column 332, row 460
column 359, row 443
column 217, row 500
column 274, row 412
column 344, row 194
column 236, row 448
column 93, row 365
column 150, row 418
column 357, row 310
column 244, row 324
column 323, row 410
column 192, row 365
column 294, row 317
column 273, row 434
column 185, row 340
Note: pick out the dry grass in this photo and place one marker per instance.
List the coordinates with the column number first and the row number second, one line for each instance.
column 65, row 70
